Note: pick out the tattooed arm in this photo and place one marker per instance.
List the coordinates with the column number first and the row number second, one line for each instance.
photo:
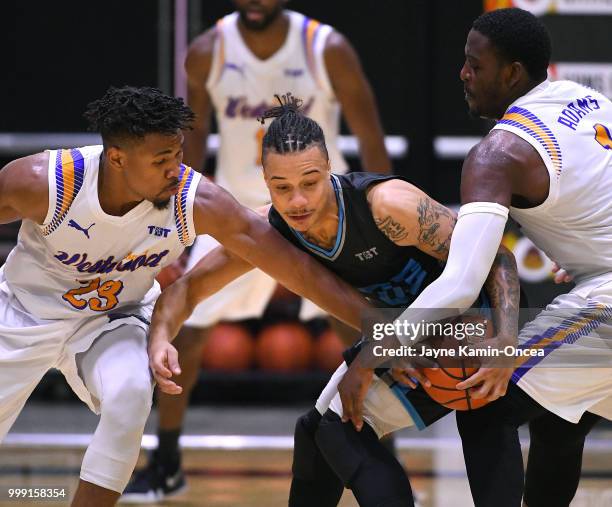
column 409, row 217
column 503, row 288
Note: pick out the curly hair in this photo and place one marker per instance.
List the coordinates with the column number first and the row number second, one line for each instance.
column 130, row 113
column 518, row 35
column 290, row 131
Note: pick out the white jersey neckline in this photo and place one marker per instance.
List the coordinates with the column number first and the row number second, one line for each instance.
column 286, row 48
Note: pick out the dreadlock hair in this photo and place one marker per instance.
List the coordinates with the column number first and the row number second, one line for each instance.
column 290, row 131
column 518, row 36
column 129, row 113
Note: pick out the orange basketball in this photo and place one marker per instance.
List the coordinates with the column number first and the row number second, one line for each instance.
column 284, row 347
column 228, row 347
column 453, row 370
column 328, row 351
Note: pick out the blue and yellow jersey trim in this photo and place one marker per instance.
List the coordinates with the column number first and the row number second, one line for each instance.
column 180, row 205
column 532, row 125
column 310, row 30
column 69, row 174
column 567, row 332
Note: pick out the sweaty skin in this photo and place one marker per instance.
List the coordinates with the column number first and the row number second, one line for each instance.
column 502, row 169
column 302, row 193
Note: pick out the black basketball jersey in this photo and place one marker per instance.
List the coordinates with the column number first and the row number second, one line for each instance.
column 387, row 274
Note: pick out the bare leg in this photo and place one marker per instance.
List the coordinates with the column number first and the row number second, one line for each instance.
column 91, row 495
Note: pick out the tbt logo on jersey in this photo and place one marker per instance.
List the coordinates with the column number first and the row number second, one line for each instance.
column 76, row 226
column 370, row 253
column 294, row 72
column 158, row 231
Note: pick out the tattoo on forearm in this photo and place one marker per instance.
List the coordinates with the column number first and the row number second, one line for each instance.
column 503, row 288
column 390, row 228
column 430, row 215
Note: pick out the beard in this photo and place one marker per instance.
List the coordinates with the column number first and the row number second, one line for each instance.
column 264, row 23
column 161, row 205
column 473, row 113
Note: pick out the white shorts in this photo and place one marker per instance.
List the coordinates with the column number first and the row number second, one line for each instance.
column 575, row 374
column 387, row 407
column 29, row 347
column 244, row 298
column 382, row 410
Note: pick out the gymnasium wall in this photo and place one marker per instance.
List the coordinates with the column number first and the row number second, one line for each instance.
column 61, row 55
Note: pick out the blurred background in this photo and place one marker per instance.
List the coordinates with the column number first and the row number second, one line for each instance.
column 58, row 56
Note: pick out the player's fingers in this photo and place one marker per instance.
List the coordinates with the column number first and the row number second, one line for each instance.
column 357, row 415
column 419, row 375
column 403, row 378
column 475, row 379
column 347, row 406
column 174, row 390
column 560, row 275
column 167, row 386
column 483, row 391
column 173, row 362
column 500, row 391
column 158, row 365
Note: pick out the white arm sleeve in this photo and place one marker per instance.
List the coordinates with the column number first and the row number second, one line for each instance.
column 474, row 244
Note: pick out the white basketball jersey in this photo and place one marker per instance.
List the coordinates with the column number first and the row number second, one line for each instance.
column 570, row 126
column 82, row 261
column 242, row 87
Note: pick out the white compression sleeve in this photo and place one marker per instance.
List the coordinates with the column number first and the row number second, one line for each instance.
column 116, row 371
column 474, row 244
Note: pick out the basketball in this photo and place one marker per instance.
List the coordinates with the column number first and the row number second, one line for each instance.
column 328, row 351
column 229, row 347
column 453, row 370
column 284, row 347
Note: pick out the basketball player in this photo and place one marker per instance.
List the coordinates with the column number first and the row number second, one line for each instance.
column 235, row 68
column 385, row 237
column 76, row 293
column 548, row 163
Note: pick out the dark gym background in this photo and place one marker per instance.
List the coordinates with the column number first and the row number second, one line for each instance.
column 58, row 56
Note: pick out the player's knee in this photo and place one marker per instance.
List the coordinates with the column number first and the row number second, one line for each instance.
column 341, row 446
column 305, row 448
column 129, row 404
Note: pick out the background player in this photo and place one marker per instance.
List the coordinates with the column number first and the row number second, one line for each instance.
column 77, row 291
column 547, row 162
column 235, row 68
column 382, row 235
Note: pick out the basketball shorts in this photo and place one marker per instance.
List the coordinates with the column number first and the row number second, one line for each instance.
column 573, row 373
column 29, row 347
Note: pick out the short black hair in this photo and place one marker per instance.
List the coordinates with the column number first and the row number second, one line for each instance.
column 291, row 131
column 130, row 113
column 518, row 35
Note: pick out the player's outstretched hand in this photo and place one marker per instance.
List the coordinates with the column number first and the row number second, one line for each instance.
column 353, row 388
column 163, row 361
